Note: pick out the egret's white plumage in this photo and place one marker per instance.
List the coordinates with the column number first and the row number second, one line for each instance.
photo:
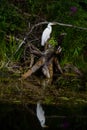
column 46, row 34
column 40, row 114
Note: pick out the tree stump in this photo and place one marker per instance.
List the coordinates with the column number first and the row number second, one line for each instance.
column 45, row 62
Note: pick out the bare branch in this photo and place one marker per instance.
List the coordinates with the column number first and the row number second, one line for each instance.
column 27, row 35
column 70, row 25
column 41, row 23
column 38, row 24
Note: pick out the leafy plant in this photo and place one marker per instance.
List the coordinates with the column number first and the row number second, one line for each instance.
column 53, row 42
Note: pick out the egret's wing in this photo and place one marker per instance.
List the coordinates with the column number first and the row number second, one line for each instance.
column 40, row 112
column 45, row 36
column 39, row 108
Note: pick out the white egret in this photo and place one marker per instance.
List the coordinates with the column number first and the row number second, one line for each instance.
column 46, row 33
column 40, row 114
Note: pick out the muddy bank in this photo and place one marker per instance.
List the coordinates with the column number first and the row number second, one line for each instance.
column 14, row 90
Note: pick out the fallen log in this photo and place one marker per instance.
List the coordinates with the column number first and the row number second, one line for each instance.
column 45, row 61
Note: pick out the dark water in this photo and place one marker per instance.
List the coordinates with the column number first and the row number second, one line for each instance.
column 58, row 117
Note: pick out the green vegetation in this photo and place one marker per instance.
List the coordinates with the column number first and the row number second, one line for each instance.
column 66, row 98
column 15, row 17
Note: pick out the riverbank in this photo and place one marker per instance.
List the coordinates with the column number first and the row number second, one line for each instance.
column 31, row 90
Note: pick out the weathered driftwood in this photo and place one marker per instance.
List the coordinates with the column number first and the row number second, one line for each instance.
column 45, row 61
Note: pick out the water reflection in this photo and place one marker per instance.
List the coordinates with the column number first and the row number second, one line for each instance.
column 19, row 117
